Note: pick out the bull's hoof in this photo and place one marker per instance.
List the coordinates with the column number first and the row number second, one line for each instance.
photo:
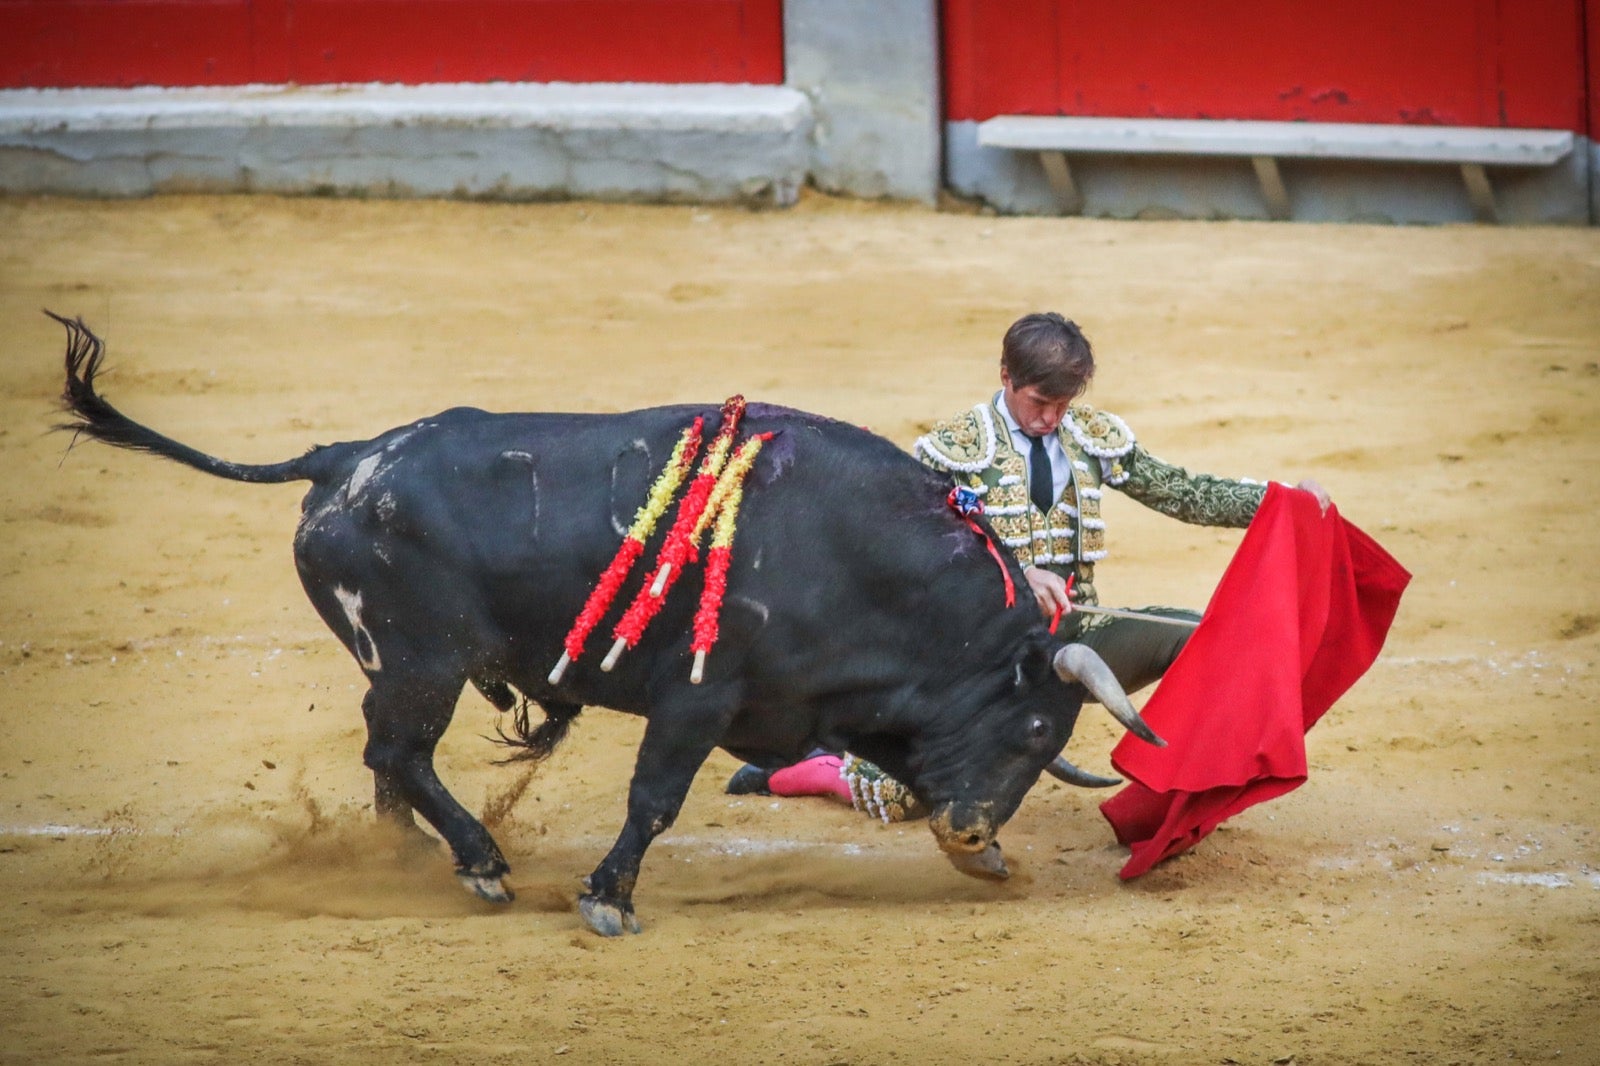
column 988, row 864
column 748, row 781
column 607, row 919
column 488, row 889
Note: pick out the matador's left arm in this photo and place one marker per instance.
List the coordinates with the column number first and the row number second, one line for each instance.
column 1200, row 499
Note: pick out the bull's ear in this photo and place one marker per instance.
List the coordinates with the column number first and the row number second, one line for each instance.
column 1033, row 666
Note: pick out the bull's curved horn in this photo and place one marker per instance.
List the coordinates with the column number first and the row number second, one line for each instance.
column 1062, row 770
column 1078, row 662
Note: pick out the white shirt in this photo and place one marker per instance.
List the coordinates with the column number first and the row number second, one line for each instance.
column 1060, row 462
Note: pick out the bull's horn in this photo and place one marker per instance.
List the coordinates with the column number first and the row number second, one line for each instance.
column 1062, row 770
column 1078, row 662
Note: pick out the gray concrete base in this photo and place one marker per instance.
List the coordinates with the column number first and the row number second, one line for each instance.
column 872, row 73
column 1126, row 186
column 671, row 143
column 1593, row 149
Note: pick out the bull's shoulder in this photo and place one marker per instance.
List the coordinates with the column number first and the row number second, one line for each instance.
column 964, row 444
column 1099, row 433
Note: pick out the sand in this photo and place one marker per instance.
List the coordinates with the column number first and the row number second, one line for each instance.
column 189, row 871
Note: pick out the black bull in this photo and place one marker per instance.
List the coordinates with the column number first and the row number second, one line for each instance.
column 861, row 614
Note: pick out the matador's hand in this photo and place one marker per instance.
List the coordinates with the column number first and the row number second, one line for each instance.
column 1050, row 590
column 1323, row 499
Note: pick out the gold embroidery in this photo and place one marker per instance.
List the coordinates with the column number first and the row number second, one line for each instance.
column 956, row 443
column 1099, row 433
column 1072, row 536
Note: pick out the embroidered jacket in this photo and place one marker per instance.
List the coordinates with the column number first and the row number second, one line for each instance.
column 975, row 448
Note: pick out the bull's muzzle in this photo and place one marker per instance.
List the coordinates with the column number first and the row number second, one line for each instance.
column 966, row 834
column 964, row 829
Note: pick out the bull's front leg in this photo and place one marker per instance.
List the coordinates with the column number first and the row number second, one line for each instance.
column 676, row 742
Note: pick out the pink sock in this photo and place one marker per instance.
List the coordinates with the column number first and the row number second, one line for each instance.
column 816, row 776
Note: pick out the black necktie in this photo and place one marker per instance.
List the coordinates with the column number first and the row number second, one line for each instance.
column 1041, row 482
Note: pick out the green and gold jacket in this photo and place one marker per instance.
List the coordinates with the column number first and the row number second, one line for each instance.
column 975, row 449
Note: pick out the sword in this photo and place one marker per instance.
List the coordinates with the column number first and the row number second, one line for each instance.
column 1115, row 613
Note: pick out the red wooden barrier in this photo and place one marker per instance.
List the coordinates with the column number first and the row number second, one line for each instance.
column 1591, row 20
column 1518, row 63
column 57, row 43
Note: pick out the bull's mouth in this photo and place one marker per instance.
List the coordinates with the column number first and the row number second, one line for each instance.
column 987, row 864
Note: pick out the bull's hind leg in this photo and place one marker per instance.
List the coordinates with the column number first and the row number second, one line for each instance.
column 405, row 719
column 388, row 798
column 676, row 742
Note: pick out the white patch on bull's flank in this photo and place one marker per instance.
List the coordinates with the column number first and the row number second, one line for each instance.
column 358, row 480
column 365, row 647
column 374, row 465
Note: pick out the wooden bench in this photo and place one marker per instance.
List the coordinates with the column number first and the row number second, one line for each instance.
column 1264, row 143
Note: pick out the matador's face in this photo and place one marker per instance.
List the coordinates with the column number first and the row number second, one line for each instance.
column 1038, row 414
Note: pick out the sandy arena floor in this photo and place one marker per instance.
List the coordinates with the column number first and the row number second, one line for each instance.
column 188, row 868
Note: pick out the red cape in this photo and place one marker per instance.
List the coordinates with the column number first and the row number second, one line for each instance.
column 1299, row 615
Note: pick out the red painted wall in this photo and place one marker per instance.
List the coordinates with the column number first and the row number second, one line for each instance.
column 57, row 43
column 1591, row 20
column 1449, row 62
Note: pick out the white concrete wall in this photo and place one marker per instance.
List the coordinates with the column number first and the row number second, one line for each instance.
column 688, row 143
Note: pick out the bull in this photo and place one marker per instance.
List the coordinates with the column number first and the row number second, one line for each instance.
column 861, row 613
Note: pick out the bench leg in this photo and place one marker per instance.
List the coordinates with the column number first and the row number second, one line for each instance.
column 1272, row 190
column 1479, row 191
column 1056, row 169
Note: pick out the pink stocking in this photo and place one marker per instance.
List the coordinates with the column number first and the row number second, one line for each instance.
column 816, row 776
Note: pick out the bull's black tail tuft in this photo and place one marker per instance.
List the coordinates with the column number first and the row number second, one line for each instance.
column 536, row 742
column 90, row 415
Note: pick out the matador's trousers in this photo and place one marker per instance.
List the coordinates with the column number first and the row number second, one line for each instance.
column 1138, row 651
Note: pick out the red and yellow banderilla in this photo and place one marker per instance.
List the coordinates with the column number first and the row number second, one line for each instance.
column 644, row 524
column 725, row 501
column 680, row 546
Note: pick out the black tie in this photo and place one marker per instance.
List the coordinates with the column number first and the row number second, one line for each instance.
column 1041, row 482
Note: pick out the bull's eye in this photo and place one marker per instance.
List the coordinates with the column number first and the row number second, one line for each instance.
column 1038, row 730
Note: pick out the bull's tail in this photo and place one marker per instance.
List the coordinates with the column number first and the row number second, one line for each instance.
column 90, row 415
